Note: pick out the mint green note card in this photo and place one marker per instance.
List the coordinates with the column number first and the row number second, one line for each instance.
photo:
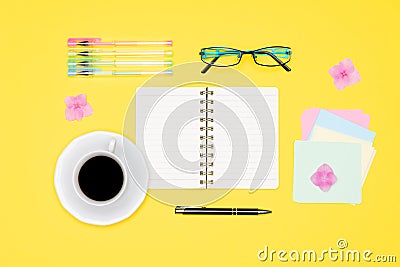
column 327, row 172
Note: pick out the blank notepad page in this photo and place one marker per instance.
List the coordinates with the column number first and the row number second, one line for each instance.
column 214, row 137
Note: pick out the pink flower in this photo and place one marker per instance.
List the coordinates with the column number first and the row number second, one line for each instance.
column 77, row 107
column 324, row 177
column 344, row 74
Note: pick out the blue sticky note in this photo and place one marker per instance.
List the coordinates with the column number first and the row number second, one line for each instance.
column 345, row 161
column 333, row 122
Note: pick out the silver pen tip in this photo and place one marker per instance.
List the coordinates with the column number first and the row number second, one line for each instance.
column 264, row 211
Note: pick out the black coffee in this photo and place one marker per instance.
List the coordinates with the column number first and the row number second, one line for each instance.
column 100, row 178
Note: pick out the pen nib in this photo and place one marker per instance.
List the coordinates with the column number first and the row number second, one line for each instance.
column 264, row 211
column 83, row 43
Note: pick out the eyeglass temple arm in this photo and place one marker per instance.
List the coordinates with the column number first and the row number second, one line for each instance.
column 209, row 65
column 283, row 65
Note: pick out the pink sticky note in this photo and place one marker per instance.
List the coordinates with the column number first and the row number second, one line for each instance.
column 309, row 117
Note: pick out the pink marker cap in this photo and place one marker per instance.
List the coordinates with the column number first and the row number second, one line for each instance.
column 76, row 41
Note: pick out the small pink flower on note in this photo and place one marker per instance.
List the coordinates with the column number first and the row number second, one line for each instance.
column 77, row 107
column 324, row 177
column 344, row 74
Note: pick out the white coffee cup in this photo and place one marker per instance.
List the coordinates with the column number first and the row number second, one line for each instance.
column 107, row 153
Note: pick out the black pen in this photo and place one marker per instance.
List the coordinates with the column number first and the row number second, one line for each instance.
column 219, row 211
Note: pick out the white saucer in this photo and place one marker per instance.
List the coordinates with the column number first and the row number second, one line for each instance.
column 126, row 204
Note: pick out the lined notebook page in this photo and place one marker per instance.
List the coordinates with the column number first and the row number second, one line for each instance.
column 244, row 151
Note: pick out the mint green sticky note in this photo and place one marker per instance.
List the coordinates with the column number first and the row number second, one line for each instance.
column 345, row 161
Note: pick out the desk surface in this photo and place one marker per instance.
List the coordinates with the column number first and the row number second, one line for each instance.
column 37, row 231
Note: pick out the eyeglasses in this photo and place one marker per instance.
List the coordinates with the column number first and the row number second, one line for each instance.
column 271, row 56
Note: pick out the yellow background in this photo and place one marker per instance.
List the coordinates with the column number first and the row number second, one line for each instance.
column 37, row 231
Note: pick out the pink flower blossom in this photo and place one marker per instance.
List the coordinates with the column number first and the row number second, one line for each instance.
column 77, row 107
column 344, row 74
column 324, row 177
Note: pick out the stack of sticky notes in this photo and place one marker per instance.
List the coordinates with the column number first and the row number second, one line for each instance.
column 332, row 160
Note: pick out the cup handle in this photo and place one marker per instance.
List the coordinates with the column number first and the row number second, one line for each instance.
column 112, row 145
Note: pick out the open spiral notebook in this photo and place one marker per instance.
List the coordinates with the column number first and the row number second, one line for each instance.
column 209, row 137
